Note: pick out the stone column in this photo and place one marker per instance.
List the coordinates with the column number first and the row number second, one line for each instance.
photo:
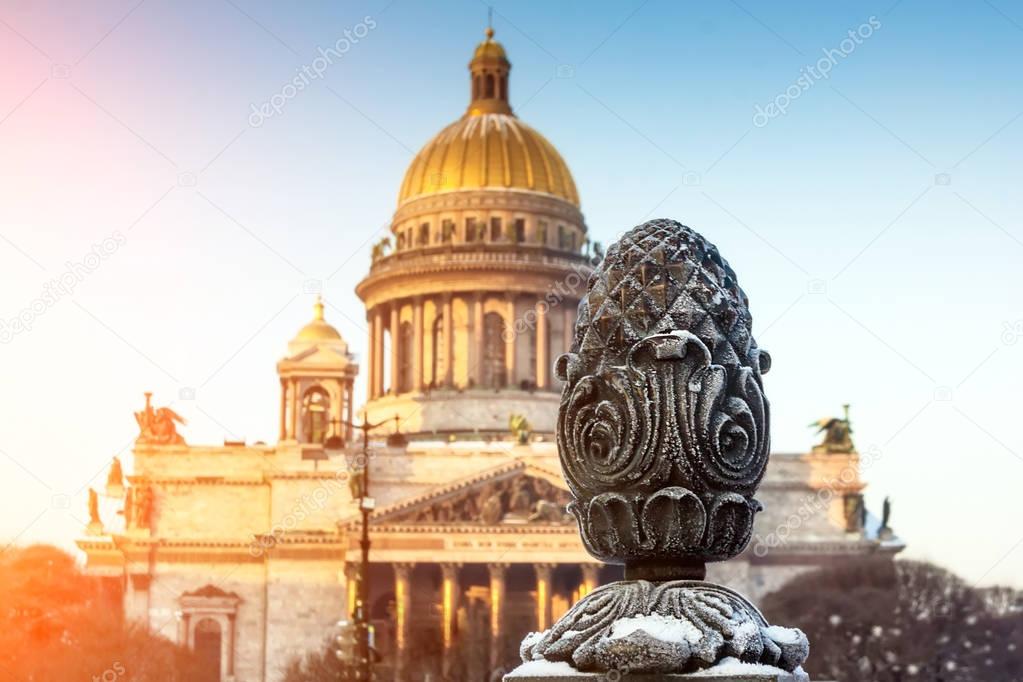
column 542, row 363
column 417, row 344
column 378, row 353
column 568, row 307
column 294, row 409
column 403, row 613
column 395, row 348
column 449, row 613
column 497, row 592
column 591, row 579
column 479, row 337
column 509, row 339
column 371, row 355
column 449, row 342
column 350, row 392
column 284, row 410
column 351, row 588
column 231, row 637
column 183, row 630
column 544, row 574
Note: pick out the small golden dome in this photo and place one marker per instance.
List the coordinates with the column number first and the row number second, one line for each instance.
column 488, row 151
column 490, row 48
column 318, row 329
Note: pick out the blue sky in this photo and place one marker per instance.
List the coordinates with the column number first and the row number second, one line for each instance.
column 875, row 224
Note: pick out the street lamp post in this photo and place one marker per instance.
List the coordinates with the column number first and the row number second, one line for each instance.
column 366, row 505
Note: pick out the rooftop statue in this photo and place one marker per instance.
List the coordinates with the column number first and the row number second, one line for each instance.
column 837, row 434
column 115, row 477
column 663, row 435
column 93, row 507
column 157, row 427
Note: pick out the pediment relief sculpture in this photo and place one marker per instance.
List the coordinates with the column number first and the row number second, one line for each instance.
column 520, row 499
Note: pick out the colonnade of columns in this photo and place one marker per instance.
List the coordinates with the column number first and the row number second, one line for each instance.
column 386, row 320
column 450, row 594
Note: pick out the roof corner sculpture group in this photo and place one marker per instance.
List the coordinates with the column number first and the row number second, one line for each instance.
column 663, row 435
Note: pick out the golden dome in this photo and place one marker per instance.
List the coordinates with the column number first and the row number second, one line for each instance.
column 318, row 329
column 488, row 148
column 492, row 151
column 490, row 48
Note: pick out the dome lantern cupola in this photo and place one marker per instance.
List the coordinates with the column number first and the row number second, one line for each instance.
column 489, row 70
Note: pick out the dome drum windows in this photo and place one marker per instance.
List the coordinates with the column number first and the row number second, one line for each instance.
column 447, row 231
column 494, row 365
column 405, row 354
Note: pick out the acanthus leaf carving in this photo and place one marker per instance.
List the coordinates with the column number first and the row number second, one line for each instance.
column 663, row 435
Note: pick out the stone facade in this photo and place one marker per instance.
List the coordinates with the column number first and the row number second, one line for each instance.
column 277, row 528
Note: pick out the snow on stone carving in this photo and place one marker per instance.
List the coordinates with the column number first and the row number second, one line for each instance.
column 663, row 435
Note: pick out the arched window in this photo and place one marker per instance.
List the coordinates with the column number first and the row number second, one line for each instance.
column 488, row 81
column 207, row 649
column 315, row 415
column 439, row 351
column 495, row 367
column 504, row 87
column 405, row 357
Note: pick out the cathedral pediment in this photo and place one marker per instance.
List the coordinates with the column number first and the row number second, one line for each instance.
column 516, row 494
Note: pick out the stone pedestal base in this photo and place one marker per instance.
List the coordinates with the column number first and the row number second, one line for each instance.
column 547, row 672
column 678, row 627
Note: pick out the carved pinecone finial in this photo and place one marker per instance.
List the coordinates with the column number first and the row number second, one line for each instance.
column 663, row 439
column 663, row 427
column 659, row 277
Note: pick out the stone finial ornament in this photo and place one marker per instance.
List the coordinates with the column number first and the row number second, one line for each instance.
column 663, row 435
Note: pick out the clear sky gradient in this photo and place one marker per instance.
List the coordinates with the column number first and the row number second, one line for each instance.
column 875, row 224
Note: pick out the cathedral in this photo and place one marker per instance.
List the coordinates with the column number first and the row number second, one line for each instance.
column 250, row 553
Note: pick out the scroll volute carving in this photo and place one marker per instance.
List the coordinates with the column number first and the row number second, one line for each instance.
column 663, row 428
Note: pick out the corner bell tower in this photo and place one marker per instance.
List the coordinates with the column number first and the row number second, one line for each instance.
column 317, row 378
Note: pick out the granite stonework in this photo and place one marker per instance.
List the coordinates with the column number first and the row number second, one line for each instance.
column 663, row 436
